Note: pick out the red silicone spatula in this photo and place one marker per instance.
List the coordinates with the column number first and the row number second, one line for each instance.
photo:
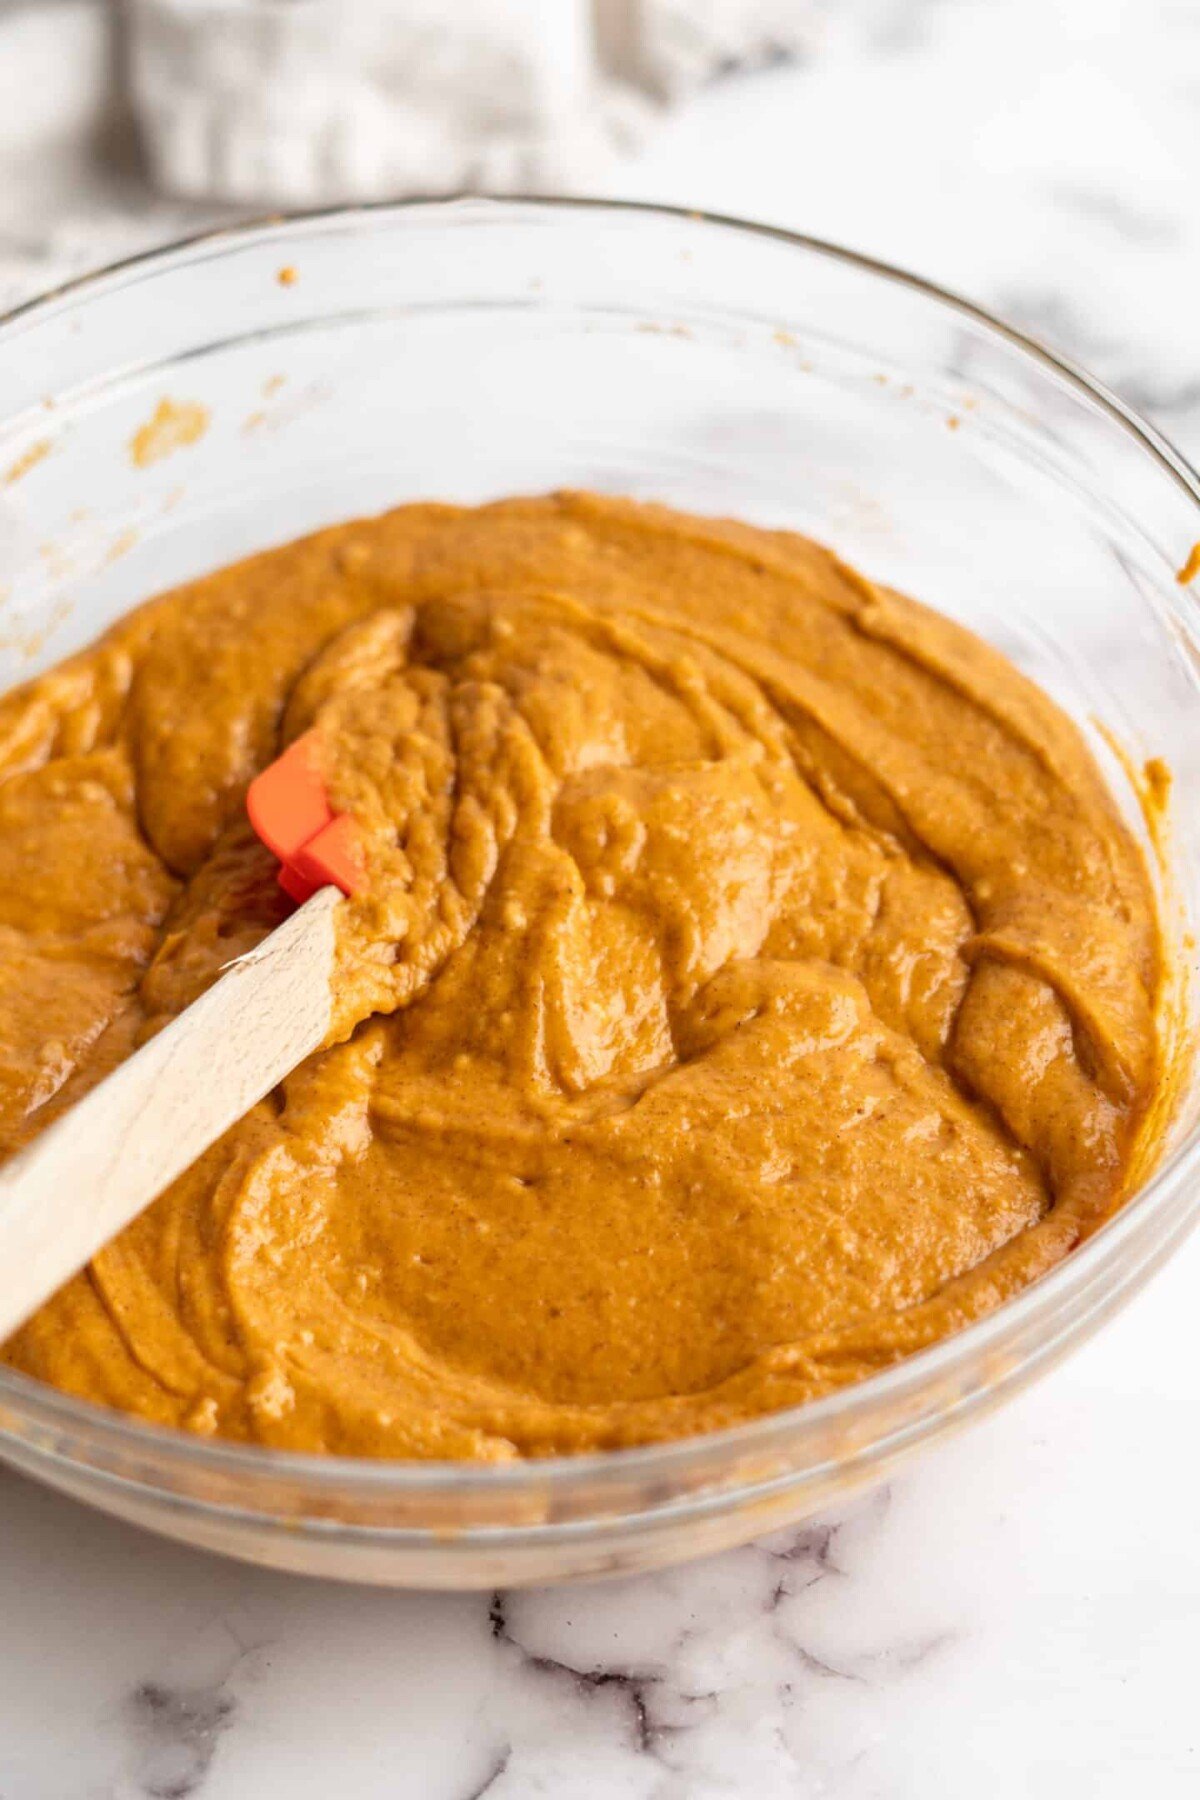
column 289, row 809
column 91, row 1172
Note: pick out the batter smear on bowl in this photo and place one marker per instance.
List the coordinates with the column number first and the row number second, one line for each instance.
column 752, row 981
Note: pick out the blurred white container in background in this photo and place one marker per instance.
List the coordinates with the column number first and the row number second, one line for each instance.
column 310, row 101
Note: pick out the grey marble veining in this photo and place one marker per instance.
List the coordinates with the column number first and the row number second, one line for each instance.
column 174, row 1732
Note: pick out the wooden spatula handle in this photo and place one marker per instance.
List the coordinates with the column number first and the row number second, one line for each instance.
column 101, row 1163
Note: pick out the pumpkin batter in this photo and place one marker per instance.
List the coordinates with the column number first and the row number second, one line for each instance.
column 753, row 981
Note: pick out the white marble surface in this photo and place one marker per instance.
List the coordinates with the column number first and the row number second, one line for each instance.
column 1018, row 1615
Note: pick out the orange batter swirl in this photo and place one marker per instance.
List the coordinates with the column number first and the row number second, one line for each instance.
column 753, row 981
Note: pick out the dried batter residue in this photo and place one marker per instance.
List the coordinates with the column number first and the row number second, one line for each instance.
column 29, row 644
column 173, row 425
column 1151, row 782
column 28, row 459
column 57, row 561
column 121, row 545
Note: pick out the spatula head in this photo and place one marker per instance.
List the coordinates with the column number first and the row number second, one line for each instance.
column 289, row 809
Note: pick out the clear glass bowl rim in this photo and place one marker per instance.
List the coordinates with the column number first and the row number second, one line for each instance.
column 26, row 1404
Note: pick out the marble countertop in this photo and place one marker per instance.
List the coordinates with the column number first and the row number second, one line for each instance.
column 1017, row 1614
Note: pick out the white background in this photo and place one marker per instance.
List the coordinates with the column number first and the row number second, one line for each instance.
column 1018, row 1615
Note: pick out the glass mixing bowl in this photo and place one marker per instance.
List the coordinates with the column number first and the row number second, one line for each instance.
column 462, row 350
